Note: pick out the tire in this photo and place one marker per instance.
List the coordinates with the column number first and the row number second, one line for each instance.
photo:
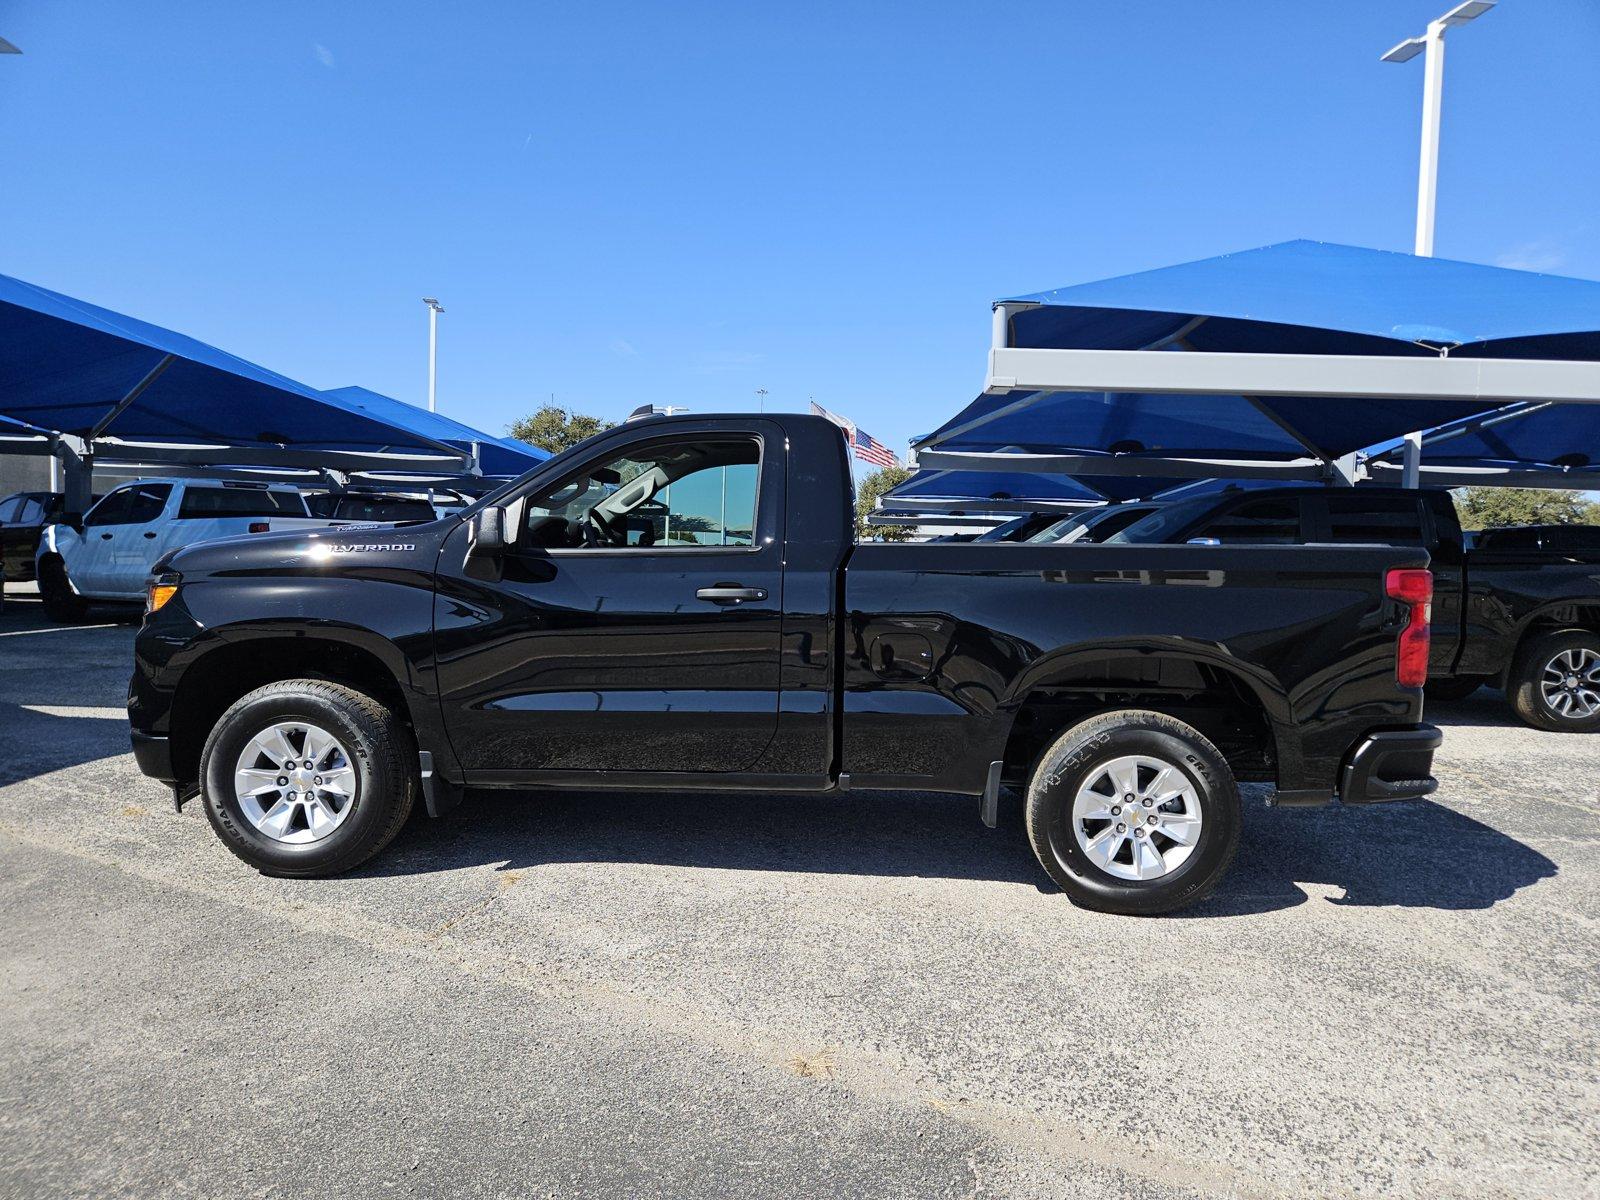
column 1536, row 666
column 1454, row 687
column 61, row 603
column 374, row 769
column 1077, row 763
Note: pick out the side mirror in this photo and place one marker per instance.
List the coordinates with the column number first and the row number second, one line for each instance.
column 489, row 531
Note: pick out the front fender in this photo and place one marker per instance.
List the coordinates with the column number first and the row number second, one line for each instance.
column 59, row 540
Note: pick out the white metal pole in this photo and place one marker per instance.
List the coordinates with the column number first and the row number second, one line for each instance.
column 1411, row 461
column 1428, row 167
column 433, row 355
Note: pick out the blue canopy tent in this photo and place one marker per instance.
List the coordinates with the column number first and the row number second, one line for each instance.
column 501, row 457
column 1277, row 362
column 101, row 377
column 978, row 499
column 998, row 492
column 1532, row 445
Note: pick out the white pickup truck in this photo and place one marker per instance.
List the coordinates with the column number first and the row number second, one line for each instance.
column 109, row 555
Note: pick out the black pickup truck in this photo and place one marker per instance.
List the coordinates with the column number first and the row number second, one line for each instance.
column 1521, row 611
column 679, row 604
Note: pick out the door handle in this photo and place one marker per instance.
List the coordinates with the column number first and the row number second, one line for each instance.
column 149, row 533
column 105, row 537
column 730, row 593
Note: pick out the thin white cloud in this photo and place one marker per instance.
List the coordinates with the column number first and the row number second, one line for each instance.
column 623, row 347
column 1533, row 256
column 322, row 54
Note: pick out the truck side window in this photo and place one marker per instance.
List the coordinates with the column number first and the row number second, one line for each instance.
column 1385, row 520
column 673, row 495
column 145, row 503
column 1268, row 522
column 113, row 510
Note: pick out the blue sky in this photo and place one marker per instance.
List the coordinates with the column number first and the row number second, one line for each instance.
column 683, row 203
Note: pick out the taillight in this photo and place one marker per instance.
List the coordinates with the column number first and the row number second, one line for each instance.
column 260, row 527
column 1413, row 587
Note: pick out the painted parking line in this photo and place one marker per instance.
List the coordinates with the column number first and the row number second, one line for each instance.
column 76, row 710
column 58, row 629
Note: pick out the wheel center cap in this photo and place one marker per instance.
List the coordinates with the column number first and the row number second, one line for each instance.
column 1572, row 681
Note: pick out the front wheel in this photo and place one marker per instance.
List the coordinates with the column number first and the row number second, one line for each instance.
column 307, row 778
column 61, row 601
column 1133, row 812
column 1555, row 682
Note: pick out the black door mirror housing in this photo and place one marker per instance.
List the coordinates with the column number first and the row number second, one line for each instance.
column 489, row 531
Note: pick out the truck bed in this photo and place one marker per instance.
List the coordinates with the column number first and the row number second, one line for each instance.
column 943, row 643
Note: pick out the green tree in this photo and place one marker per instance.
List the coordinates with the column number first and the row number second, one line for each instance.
column 873, row 486
column 1497, row 507
column 555, row 429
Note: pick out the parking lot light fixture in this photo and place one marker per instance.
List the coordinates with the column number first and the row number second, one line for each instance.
column 1432, row 42
column 434, row 309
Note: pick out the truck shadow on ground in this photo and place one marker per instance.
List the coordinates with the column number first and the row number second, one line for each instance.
column 1420, row 854
column 35, row 743
column 1486, row 706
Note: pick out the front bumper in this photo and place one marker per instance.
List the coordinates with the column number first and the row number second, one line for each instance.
column 153, row 753
column 1391, row 764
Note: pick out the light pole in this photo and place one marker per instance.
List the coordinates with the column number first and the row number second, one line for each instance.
column 434, row 309
column 1428, row 166
column 1432, row 95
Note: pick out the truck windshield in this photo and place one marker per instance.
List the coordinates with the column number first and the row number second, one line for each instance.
column 1161, row 525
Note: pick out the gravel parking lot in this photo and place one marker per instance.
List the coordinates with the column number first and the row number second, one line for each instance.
column 582, row 994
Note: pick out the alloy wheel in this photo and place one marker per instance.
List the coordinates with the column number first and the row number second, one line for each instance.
column 1137, row 817
column 294, row 782
column 1570, row 683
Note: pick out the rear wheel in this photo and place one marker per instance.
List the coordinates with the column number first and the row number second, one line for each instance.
column 61, row 602
column 1555, row 682
column 1133, row 812
column 307, row 778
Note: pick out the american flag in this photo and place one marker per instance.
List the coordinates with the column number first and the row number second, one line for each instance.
column 862, row 444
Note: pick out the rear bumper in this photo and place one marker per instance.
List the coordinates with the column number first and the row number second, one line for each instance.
column 1391, row 764
column 153, row 753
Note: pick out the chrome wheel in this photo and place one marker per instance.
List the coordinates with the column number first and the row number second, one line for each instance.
column 1137, row 817
column 294, row 782
column 1570, row 683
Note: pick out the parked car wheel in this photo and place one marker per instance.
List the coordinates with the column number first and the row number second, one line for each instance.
column 307, row 778
column 1133, row 812
column 1555, row 682
column 1454, row 687
column 61, row 602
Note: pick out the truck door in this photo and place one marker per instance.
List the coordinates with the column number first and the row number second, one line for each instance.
column 634, row 622
column 89, row 560
column 136, row 543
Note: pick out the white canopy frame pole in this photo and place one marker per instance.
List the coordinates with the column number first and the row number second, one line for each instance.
column 1334, row 376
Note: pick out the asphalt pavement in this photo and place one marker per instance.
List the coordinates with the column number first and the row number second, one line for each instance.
column 863, row 995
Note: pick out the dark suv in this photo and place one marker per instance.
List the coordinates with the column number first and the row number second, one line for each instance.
column 23, row 516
